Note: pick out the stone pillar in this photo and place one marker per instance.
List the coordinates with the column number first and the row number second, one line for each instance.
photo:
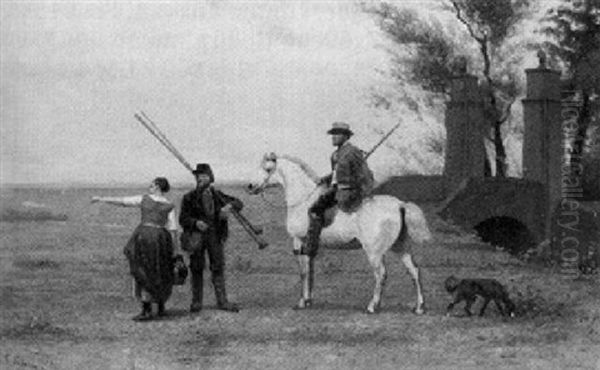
column 465, row 127
column 542, row 142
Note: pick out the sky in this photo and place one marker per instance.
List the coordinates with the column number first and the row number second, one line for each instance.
column 226, row 81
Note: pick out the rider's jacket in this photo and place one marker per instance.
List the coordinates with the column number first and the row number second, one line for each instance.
column 350, row 170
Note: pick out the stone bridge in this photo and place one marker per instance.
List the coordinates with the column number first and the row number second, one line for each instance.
column 509, row 212
column 547, row 204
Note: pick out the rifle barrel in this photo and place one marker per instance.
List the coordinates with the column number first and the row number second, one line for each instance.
column 384, row 138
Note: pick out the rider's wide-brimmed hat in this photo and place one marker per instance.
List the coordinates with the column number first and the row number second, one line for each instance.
column 340, row 128
column 205, row 169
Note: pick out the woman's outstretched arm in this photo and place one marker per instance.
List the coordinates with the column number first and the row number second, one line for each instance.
column 134, row 201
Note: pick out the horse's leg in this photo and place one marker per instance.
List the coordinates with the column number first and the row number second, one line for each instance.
column 378, row 265
column 414, row 273
column 306, row 276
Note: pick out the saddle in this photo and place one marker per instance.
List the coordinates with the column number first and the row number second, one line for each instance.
column 328, row 219
column 347, row 202
column 329, row 215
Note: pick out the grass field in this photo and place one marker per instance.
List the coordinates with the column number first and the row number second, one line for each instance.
column 66, row 301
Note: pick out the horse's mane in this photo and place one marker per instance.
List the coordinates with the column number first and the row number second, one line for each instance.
column 303, row 166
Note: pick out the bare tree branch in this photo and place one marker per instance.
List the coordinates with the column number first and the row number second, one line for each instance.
column 465, row 22
column 488, row 23
column 506, row 112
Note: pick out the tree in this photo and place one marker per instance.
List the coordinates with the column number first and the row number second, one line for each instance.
column 419, row 75
column 575, row 32
column 428, row 63
column 488, row 24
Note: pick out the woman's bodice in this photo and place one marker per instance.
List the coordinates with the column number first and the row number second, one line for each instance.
column 155, row 212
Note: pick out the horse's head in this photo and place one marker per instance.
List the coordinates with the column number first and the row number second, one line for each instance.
column 267, row 174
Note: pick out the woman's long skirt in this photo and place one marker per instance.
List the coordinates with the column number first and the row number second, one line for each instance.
column 150, row 255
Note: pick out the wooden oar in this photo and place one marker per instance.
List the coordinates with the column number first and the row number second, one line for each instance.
column 252, row 230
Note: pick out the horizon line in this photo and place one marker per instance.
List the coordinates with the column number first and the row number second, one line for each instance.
column 177, row 184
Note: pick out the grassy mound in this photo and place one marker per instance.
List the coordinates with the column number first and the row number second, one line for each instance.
column 24, row 215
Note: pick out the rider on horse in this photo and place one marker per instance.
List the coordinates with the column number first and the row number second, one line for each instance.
column 350, row 181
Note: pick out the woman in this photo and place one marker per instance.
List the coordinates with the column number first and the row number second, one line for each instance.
column 150, row 248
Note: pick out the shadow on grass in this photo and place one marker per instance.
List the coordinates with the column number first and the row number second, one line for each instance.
column 38, row 329
column 532, row 304
column 175, row 314
column 36, row 264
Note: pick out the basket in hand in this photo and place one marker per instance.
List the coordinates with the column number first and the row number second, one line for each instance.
column 180, row 271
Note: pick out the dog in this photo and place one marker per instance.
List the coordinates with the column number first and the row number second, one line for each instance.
column 489, row 289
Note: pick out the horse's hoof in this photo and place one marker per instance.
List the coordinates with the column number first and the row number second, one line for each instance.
column 303, row 304
column 372, row 309
column 419, row 310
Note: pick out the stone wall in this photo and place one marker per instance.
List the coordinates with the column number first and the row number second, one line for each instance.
column 414, row 188
column 487, row 198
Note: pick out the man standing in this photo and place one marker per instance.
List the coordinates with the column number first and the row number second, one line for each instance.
column 203, row 218
column 349, row 182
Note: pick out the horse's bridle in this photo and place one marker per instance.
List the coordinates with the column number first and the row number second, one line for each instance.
column 270, row 171
column 272, row 157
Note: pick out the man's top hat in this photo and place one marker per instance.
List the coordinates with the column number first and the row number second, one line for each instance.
column 340, row 128
column 205, row 169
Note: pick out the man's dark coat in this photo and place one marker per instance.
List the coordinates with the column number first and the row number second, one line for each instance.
column 192, row 210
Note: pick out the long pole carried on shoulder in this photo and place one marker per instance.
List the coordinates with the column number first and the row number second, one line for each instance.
column 158, row 134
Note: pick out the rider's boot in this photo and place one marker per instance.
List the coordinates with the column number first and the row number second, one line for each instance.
column 313, row 234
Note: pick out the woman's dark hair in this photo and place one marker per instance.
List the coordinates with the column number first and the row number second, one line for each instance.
column 163, row 184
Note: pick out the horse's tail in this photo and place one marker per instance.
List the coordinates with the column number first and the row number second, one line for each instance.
column 414, row 223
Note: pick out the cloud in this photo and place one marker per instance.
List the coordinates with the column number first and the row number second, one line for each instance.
column 284, row 35
column 226, row 81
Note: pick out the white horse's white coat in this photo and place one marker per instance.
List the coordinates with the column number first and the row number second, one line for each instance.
column 377, row 225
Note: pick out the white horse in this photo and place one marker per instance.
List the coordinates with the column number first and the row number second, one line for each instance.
column 380, row 224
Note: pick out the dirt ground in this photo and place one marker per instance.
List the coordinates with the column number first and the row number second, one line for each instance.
column 66, row 302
